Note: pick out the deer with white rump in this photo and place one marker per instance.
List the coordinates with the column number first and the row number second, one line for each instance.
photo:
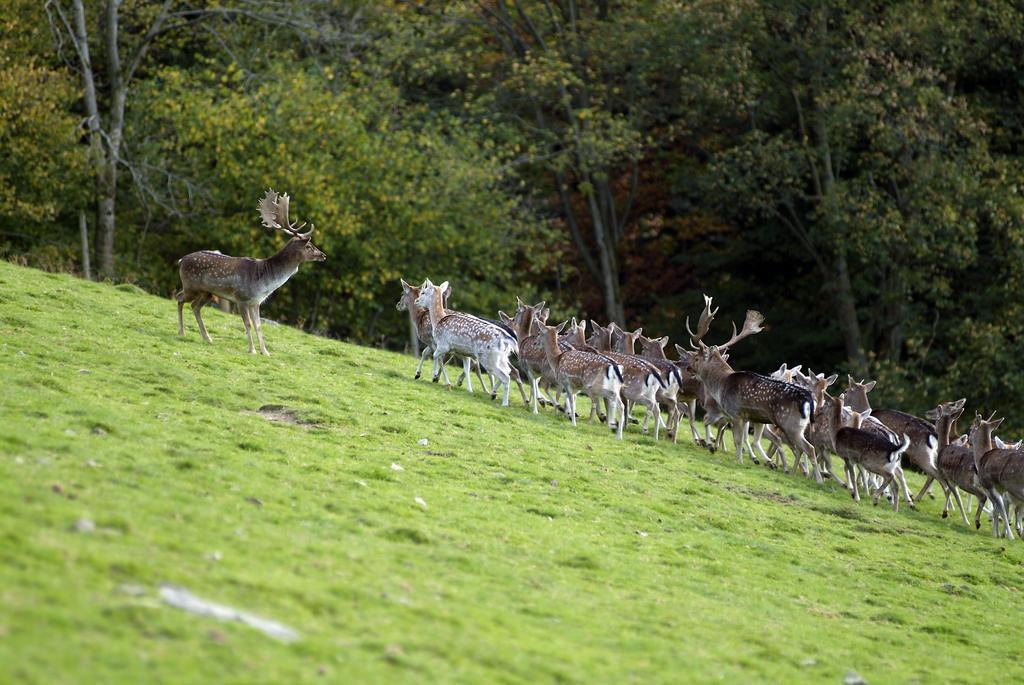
column 593, row 374
column 468, row 337
column 243, row 280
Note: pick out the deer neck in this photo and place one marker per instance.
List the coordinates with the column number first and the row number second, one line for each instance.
column 982, row 444
column 713, row 372
column 944, row 428
column 549, row 341
column 435, row 309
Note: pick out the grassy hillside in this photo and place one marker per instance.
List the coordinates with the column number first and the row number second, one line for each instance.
column 130, row 458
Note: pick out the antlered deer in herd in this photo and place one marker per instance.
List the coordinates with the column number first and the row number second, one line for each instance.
column 751, row 399
column 243, row 280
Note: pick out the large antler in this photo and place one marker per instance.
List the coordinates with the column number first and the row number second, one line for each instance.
column 751, row 326
column 703, row 324
column 274, row 213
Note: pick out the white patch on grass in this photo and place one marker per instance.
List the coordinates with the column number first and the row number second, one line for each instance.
column 180, row 598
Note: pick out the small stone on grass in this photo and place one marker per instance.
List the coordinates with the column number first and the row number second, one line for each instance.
column 423, row 442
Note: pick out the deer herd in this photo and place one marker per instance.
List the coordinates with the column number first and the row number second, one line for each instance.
column 619, row 370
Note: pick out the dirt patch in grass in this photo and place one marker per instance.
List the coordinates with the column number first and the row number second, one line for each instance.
column 279, row 413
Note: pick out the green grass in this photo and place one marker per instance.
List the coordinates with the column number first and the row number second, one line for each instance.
column 543, row 554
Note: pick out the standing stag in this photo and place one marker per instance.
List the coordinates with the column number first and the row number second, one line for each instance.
column 243, row 280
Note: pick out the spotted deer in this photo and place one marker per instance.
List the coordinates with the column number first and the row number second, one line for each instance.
column 625, row 342
column 594, row 375
column 468, row 337
column 694, row 392
column 641, row 379
column 244, row 280
column 420, row 318
column 999, row 471
column 872, row 452
column 751, row 399
column 528, row 325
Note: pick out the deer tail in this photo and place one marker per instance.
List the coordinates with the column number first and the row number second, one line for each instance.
column 613, row 369
column 898, row 453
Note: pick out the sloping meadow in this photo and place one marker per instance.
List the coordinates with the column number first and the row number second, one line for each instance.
column 395, row 531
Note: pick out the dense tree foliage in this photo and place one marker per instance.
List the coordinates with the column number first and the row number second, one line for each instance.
column 852, row 169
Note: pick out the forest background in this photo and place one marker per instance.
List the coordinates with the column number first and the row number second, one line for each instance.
column 851, row 169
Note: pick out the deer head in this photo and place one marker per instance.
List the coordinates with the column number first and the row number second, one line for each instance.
column 858, row 392
column 274, row 213
column 981, row 433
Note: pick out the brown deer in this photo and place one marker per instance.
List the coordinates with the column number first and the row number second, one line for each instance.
column 857, row 447
column 924, row 441
column 751, row 399
column 243, row 280
column 999, row 471
column 955, row 461
column 528, row 327
column 583, row 371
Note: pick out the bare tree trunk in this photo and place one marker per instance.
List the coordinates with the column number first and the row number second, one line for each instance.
column 83, row 231
column 847, row 310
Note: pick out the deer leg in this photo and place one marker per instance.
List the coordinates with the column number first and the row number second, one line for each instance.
column 570, row 403
column 737, row 440
column 878, row 491
column 851, row 477
column 756, row 440
column 255, row 315
column 423, row 355
column 243, row 310
column 959, row 503
column 800, row 442
column 654, row 409
column 465, row 373
column 515, row 375
column 180, row 297
column 903, row 486
column 197, row 304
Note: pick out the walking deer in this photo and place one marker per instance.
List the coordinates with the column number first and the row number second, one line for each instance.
column 420, row 317
column 624, row 342
column 641, row 379
column 468, row 337
column 999, row 471
column 955, row 461
column 924, row 442
column 751, row 399
column 857, row 447
column 587, row 372
column 243, row 280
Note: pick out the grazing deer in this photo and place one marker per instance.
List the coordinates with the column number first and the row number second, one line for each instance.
column 857, row 447
column 999, row 471
column 641, row 379
column 624, row 342
column 749, row 398
column 924, row 442
column 243, row 280
column 468, row 337
column 956, row 461
column 579, row 371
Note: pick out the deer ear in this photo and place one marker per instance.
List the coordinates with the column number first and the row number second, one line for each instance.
column 405, row 286
column 868, row 386
column 866, row 413
column 572, row 322
column 519, row 303
column 545, row 314
column 796, row 369
column 444, row 286
column 662, row 341
column 594, row 326
column 849, row 381
column 959, row 404
column 560, row 327
column 504, row 318
column 783, row 368
column 638, row 331
column 540, row 305
column 831, row 379
column 997, row 423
